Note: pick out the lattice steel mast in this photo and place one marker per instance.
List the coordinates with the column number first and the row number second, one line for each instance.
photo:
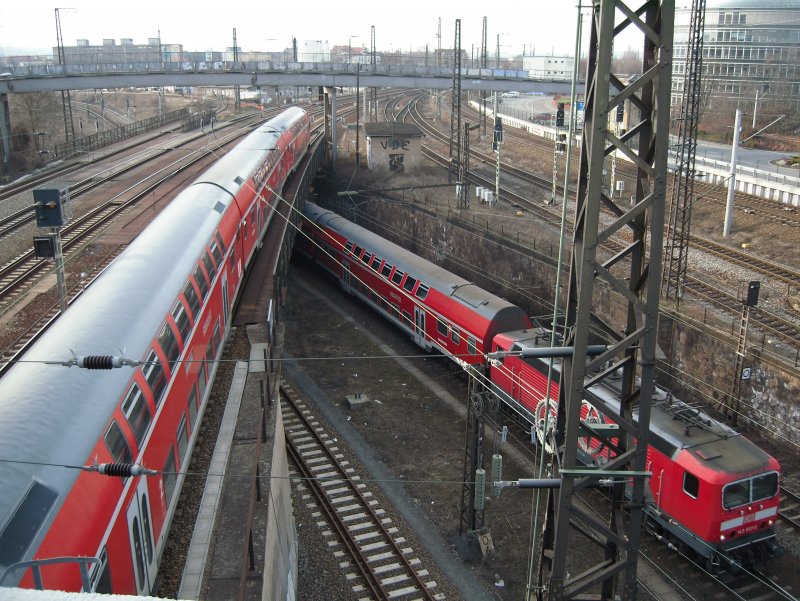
column 66, row 100
column 634, row 273
column 455, row 113
column 677, row 246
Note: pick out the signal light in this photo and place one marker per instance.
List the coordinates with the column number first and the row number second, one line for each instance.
column 620, row 112
column 560, row 115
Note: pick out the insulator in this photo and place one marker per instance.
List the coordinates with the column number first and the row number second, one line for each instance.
column 497, row 473
column 121, row 470
column 480, row 489
column 96, row 362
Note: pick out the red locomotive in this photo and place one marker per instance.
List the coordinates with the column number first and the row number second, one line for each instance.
column 166, row 304
column 712, row 491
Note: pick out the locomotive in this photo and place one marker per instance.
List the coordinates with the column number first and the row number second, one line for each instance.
column 160, row 313
column 712, row 492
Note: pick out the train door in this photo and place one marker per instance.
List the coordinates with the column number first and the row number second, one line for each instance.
column 140, row 528
column 225, row 301
column 346, row 276
column 419, row 326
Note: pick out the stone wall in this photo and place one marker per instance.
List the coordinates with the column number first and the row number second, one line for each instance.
column 703, row 354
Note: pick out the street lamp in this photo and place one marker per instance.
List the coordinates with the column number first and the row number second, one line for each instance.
column 350, row 48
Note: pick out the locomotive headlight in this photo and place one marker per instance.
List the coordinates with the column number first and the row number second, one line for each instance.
column 741, row 512
column 770, row 522
column 722, row 538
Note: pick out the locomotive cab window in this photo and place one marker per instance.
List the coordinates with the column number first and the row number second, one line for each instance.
column 691, row 485
column 765, row 487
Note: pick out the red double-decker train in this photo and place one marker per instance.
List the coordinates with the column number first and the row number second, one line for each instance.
column 165, row 305
column 712, row 492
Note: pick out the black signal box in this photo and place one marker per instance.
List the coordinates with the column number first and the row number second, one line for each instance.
column 44, row 247
column 48, row 203
column 753, row 289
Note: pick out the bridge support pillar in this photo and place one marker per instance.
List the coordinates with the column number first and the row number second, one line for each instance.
column 330, row 93
column 5, row 132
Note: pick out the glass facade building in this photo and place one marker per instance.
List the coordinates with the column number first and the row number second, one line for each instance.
column 749, row 47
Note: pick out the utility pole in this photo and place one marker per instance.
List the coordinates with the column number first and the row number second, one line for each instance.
column 66, row 100
column 373, row 91
column 732, row 177
column 237, row 93
column 497, row 143
column 484, row 58
column 455, row 113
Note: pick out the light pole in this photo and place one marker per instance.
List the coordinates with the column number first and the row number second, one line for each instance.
column 350, row 48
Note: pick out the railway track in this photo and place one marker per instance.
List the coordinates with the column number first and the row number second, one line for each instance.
column 380, row 565
column 789, row 510
column 14, row 221
column 770, row 323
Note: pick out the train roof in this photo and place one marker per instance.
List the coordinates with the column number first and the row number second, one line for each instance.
column 675, row 426
column 53, row 416
column 484, row 303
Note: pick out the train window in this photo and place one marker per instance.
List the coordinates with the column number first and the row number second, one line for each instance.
column 357, row 251
column 386, row 270
column 210, row 353
column 736, row 494
column 116, row 443
column 192, row 402
column 18, row 533
column 376, row 263
column 422, row 291
column 765, row 487
column 348, row 247
column 154, row 374
column 101, row 576
column 397, row 277
column 200, row 280
column 148, row 538
column 209, row 265
column 220, row 241
column 455, row 336
column 191, row 297
column 216, row 252
column 137, row 413
column 182, row 436
column 181, row 320
column 216, row 337
column 202, row 376
column 168, row 476
column 232, row 260
column 253, row 218
column 691, row 485
column 442, row 327
column 169, row 344
column 244, row 229
column 409, row 284
column 367, row 257
column 138, row 553
column 471, row 346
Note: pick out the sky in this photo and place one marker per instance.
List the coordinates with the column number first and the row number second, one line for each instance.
column 544, row 26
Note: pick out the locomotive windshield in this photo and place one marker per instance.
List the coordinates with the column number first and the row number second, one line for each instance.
column 751, row 490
